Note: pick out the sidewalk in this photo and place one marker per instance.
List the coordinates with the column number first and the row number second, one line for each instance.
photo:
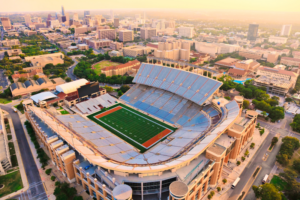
column 238, row 170
column 19, row 158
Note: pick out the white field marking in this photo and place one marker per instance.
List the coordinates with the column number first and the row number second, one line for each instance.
column 130, row 133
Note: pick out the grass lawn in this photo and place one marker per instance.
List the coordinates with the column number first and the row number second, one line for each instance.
column 278, row 182
column 60, row 108
column 64, row 112
column 103, row 64
column 12, row 183
column 4, row 101
column 11, row 148
column 21, row 110
column 138, row 129
column 14, row 160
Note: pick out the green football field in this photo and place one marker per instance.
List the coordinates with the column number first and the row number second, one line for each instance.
column 137, row 129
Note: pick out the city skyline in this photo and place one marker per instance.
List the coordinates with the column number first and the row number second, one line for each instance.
column 254, row 5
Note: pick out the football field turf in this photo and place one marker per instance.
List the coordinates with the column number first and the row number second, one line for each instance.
column 137, row 129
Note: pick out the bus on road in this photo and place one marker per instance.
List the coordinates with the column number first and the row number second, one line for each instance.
column 235, row 182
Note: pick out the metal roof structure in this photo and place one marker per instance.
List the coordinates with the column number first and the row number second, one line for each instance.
column 71, row 86
column 43, row 96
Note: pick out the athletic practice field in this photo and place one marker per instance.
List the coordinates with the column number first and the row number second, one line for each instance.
column 138, row 129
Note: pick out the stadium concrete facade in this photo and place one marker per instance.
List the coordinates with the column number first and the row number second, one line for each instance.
column 208, row 133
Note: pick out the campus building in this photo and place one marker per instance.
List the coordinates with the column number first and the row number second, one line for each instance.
column 177, row 50
column 277, row 40
column 277, row 81
column 134, row 51
column 107, row 34
column 5, row 161
column 31, row 85
column 147, row 33
column 290, row 61
column 10, row 43
column 121, row 69
column 186, row 32
column 251, row 54
column 6, row 23
column 201, row 135
column 126, row 35
column 116, row 45
column 43, row 60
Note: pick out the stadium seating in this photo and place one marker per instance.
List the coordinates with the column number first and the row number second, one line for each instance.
column 95, row 104
column 191, row 86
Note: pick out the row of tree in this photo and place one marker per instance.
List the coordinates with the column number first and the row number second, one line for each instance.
column 290, row 188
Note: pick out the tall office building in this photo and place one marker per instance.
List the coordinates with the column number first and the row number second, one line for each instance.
column 62, row 11
column 252, row 32
column 75, row 16
column 63, row 18
column 67, row 19
column 126, row 35
column 147, row 33
column 186, row 32
column 86, row 13
column 5, row 23
column 27, row 18
column 286, row 30
column 116, row 22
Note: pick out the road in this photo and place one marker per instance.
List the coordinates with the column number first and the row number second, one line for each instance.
column 70, row 71
column 267, row 166
column 36, row 190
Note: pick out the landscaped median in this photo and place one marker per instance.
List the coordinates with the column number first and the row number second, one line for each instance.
column 249, row 183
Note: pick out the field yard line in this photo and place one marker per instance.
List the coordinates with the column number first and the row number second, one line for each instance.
column 121, row 133
column 147, row 119
column 129, row 137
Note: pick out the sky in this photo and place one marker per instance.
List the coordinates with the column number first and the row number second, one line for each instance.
column 55, row 5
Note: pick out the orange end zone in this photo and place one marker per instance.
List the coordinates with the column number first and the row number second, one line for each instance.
column 156, row 138
column 108, row 112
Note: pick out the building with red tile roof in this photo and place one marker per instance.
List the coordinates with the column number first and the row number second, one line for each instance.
column 121, row 69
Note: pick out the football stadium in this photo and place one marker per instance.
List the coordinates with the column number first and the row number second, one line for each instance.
column 172, row 135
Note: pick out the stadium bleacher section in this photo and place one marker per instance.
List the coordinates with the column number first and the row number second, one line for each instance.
column 95, row 104
column 191, row 86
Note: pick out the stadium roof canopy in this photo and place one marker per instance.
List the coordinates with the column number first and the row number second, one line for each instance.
column 43, row 96
column 71, row 86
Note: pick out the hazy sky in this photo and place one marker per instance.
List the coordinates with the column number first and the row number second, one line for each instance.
column 54, row 5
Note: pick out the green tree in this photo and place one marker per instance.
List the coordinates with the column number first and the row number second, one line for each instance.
column 35, row 77
column 256, row 191
column 108, row 88
column 68, row 79
column 120, row 93
column 22, row 79
column 124, row 88
column 274, row 141
column 224, row 180
column 288, row 99
column 246, row 104
column 296, row 165
column 269, row 192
